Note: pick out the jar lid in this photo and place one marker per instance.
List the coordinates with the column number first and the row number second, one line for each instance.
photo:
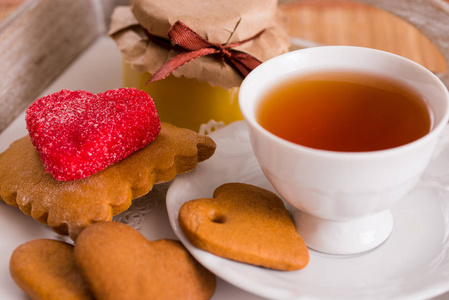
column 219, row 21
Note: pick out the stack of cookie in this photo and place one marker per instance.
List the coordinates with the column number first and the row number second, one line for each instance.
column 87, row 157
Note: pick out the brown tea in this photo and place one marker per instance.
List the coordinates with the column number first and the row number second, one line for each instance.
column 345, row 111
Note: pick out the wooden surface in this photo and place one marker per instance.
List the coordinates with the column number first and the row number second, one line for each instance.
column 37, row 45
column 332, row 22
column 7, row 7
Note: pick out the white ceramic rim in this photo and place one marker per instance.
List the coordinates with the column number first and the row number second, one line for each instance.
column 245, row 88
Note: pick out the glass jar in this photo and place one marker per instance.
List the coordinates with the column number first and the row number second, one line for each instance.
column 188, row 102
column 202, row 94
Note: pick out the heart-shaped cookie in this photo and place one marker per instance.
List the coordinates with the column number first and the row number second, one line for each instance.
column 119, row 263
column 109, row 261
column 78, row 134
column 46, row 270
column 247, row 224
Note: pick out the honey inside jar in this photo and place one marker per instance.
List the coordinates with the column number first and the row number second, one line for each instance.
column 345, row 111
column 187, row 102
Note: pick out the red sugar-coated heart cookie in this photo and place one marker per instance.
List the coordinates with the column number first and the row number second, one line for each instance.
column 77, row 133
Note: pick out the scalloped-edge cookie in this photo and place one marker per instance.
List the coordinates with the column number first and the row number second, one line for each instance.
column 245, row 223
column 70, row 206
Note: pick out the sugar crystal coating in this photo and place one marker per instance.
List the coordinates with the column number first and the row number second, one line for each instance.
column 77, row 133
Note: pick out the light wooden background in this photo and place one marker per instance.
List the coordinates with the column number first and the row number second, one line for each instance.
column 349, row 23
column 7, row 7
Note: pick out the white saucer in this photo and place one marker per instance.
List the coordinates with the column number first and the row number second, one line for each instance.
column 412, row 264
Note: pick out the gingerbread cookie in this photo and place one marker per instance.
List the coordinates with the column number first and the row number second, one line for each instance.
column 69, row 206
column 46, row 270
column 119, row 263
column 110, row 260
column 245, row 223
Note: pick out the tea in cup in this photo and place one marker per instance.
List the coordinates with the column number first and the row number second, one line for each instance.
column 342, row 133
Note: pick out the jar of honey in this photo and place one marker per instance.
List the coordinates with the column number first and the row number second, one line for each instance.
column 200, row 93
column 188, row 102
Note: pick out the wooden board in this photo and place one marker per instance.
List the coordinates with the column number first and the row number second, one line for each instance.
column 330, row 22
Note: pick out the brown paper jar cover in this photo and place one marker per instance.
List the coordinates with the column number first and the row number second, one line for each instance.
column 219, row 21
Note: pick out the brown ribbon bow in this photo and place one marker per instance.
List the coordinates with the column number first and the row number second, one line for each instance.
column 194, row 46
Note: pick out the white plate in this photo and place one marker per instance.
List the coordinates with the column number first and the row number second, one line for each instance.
column 412, row 264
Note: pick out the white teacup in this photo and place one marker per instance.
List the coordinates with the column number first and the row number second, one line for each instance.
column 341, row 200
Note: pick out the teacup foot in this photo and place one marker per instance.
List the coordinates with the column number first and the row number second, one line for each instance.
column 343, row 237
